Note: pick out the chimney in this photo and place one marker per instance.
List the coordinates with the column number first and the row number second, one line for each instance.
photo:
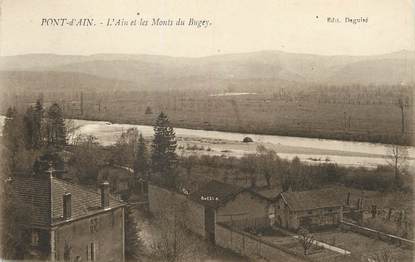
column 105, row 191
column 67, row 206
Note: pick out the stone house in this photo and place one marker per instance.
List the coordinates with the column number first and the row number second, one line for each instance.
column 310, row 209
column 70, row 222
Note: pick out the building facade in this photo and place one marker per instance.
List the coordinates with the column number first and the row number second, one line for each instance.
column 72, row 223
column 309, row 209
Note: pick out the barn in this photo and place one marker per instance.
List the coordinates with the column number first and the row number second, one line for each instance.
column 310, row 209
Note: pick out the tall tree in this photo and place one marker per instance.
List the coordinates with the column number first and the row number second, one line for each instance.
column 12, row 138
column 164, row 145
column 55, row 127
column 37, row 125
column 141, row 166
column 28, row 124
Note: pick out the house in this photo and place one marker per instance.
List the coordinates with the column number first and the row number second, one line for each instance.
column 310, row 209
column 71, row 223
column 232, row 204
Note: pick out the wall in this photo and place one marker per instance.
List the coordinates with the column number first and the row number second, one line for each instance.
column 253, row 247
column 108, row 237
column 162, row 200
column 245, row 202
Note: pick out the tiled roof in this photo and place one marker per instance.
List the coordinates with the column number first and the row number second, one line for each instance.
column 214, row 194
column 36, row 194
column 313, row 199
column 84, row 201
column 45, row 196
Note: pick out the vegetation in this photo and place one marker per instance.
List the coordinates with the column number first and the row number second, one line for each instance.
column 349, row 112
column 265, row 168
column 164, row 158
column 306, row 239
column 14, row 241
column 141, row 162
column 133, row 243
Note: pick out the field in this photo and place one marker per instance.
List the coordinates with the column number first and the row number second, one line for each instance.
column 363, row 114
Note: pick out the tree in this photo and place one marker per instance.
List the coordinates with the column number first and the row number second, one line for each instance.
column 173, row 244
column 306, row 239
column 12, row 138
column 55, row 128
column 28, row 121
column 86, row 159
column 125, row 149
column 249, row 164
column 141, row 166
column 401, row 105
column 268, row 163
column 14, row 238
column 37, row 125
column 164, row 145
column 133, row 243
column 396, row 158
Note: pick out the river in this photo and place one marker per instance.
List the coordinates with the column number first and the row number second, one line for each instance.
column 230, row 144
column 313, row 150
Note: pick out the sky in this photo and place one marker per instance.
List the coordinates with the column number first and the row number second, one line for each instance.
column 298, row 26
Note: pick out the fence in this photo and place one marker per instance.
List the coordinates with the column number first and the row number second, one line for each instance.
column 377, row 234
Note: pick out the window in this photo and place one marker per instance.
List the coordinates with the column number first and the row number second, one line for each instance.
column 67, row 252
column 35, row 238
column 91, row 252
column 310, row 212
column 93, row 225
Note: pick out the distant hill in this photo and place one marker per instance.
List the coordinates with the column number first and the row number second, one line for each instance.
column 22, row 81
column 148, row 72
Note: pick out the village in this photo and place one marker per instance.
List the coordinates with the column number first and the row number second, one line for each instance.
column 256, row 208
column 207, row 131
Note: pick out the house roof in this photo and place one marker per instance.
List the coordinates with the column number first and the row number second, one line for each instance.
column 215, row 194
column 45, row 197
column 269, row 193
column 313, row 199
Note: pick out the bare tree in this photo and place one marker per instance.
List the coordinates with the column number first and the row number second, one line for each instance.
column 173, row 243
column 306, row 239
column 396, row 157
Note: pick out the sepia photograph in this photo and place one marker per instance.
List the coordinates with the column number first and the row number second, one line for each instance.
column 207, row 131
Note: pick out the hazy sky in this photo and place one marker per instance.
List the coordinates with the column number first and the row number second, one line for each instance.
column 237, row 26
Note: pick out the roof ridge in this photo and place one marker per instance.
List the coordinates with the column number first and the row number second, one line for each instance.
column 83, row 188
